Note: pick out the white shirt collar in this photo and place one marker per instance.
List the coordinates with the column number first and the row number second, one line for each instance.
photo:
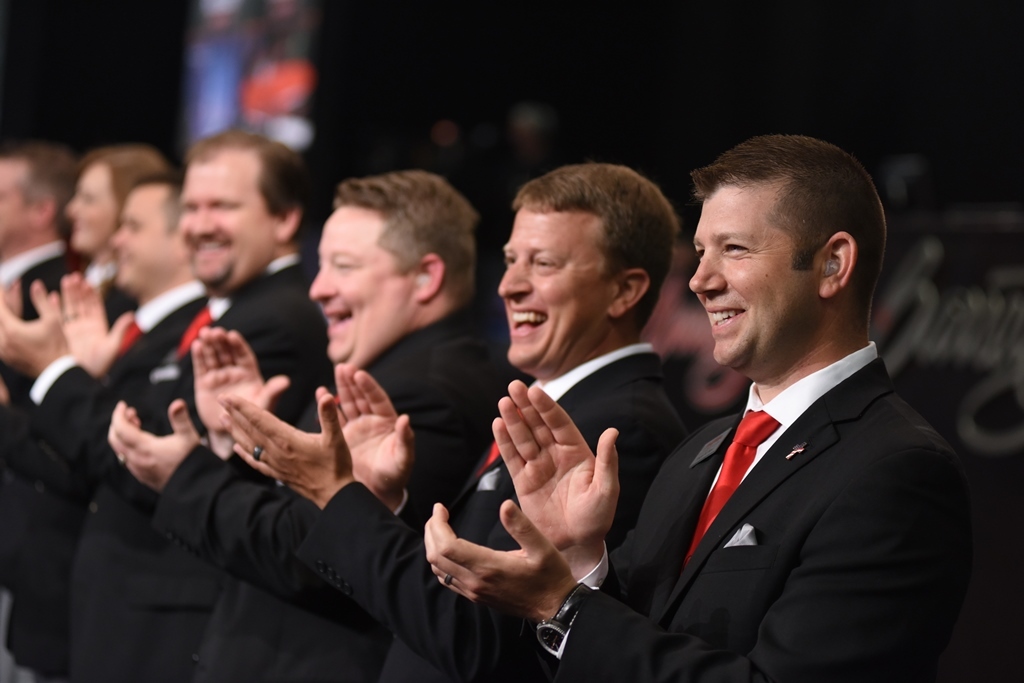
column 219, row 305
column 96, row 274
column 150, row 314
column 282, row 262
column 13, row 268
column 558, row 387
column 789, row 405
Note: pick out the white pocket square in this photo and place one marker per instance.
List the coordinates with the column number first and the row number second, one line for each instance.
column 745, row 535
column 489, row 481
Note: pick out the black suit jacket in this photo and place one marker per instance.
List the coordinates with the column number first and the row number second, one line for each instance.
column 16, row 496
column 861, row 561
column 287, row 333
column 367, row 553
column 131, row 586
column 441, row 377
column 52, row 458
column 27, row 511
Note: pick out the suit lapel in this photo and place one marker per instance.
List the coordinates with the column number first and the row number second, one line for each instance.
column 157, row 347
column 497, row 470
column 606, row 379
column 673, row 538
column 812, row 434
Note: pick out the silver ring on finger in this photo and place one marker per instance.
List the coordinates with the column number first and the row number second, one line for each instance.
column 257, row 452
column 447, row 579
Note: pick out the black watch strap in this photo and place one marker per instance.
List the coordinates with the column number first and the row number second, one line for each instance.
column 551, row 632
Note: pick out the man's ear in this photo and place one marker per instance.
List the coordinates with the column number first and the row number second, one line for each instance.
column 44, row 213
column 429, row 278
column 630, row 286
column 835, row 263
column 287, row 226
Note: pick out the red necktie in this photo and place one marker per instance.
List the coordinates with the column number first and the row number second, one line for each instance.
column 202, row 319
column 492, row 457
column 754, row 428
column 131, row 335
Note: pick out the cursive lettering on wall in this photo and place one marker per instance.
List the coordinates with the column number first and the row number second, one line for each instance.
column 960, row 327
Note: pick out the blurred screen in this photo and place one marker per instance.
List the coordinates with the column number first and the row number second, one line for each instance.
column 249, row 65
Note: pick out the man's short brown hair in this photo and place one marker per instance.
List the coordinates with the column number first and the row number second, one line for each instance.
column 423, row 214
column 639, row 223
column 50, row 175
column 822, row 190
column 283, row 178
column 172, row 180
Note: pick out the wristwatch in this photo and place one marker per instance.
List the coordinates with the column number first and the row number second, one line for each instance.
column 551, row 632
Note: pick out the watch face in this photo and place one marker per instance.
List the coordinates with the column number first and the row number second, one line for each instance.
column 550, row 636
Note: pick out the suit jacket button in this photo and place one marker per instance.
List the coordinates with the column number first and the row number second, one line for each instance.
column 195, row 657
column 320, row 566
column 93, row 507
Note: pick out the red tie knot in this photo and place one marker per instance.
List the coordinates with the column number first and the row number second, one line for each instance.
column 755, row 427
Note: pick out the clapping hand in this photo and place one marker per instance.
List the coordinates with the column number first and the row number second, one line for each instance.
column 362, row 439
column 92, row 342
column 152, row 459
column 225, row 364
column 568, row 493
column 31, row 346
column 530, row 582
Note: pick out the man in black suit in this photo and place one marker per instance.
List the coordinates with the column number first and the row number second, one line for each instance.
column 241, row 211
column 36, row 182
column 826, row 537
column 589, row 249
column 396, row 275
column 155, row 269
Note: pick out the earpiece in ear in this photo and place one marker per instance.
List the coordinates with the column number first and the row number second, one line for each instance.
column 831, row 267
column 422, row 279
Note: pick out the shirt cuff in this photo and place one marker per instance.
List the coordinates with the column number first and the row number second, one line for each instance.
column 598, row 574
column 593, row 581
column 49, row 376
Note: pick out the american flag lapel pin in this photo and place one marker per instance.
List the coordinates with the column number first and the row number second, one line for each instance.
column 799, row 448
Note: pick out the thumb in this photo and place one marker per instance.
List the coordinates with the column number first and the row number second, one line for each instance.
column 181, row 422
column 330, row 424
column 272, row 390
column 521, row 529
column 606, row 469
column 121, row 325
column 46, row 305
column 405, row 434
column 440, row 513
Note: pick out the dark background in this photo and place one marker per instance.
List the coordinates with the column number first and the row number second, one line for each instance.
column 663, row 87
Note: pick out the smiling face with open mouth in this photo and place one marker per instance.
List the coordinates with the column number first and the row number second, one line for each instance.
column 557, row 292
column 765, row 316
column 231, row 234
column 367, row 299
